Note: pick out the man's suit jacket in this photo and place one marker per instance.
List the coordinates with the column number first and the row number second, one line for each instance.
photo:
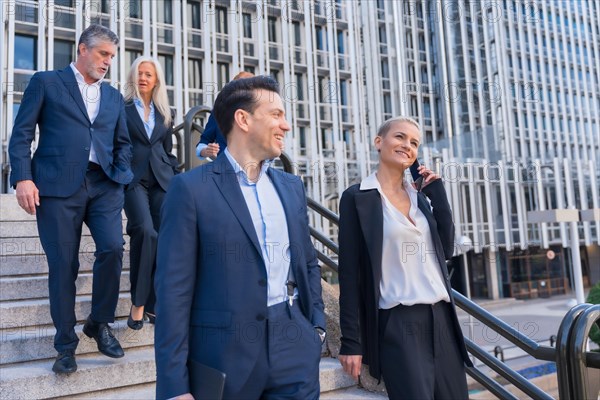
column 154, row 152
column 212, row 134
column 53, row 101
column 360, row 240
column 211, row 281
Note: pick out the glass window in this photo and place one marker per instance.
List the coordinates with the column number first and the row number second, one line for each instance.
column 299, row 86
column 222, row 20
column 247, row 19
column 64, row 53
column 194, row 14
column 387, row 103
column 382, row 35
column 385, row 69
column 344, row 92
column 16, row 107
column 166, row 61
column 195, row 73
column 321, row 38
column 272, row 29
column 134, row 8
column 25, row 52
column 222, row 74
column 64, row 3
column 297, row 33
column 275, row 75
column 165, row 11
column 340, row 42
column 131, row 55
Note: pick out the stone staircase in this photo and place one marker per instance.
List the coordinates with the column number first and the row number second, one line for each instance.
column 26, row 331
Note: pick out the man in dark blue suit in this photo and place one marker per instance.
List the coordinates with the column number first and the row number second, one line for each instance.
column 238, row 284
column 212, row 142
column 76, row 175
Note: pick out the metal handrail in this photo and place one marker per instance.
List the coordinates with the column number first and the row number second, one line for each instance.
column 188, row 124
column 579, row 360
column 323, row 211
column 326, row 260
column 563, row 367
column 177, row 132
column 531, row 347
column 490, row 384
column 501, row 368
column 330, row 244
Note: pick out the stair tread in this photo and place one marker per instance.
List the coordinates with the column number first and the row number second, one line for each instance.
column 143, row 391
column 351, row 393
column 95, row 372
column 102, row 374
column 37, row 343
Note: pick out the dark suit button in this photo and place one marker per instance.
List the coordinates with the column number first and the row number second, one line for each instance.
column 262, row 282
column 86, row 148
column 260, row 317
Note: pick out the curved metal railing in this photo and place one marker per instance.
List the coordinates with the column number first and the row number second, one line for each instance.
column 186, row 151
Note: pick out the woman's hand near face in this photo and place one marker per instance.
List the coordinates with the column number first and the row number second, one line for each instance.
column 428, row 175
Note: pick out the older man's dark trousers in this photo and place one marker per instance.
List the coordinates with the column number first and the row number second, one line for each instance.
column 98, row 203
column 419, row 353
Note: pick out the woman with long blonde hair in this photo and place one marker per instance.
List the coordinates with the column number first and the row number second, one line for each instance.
column 149, row 122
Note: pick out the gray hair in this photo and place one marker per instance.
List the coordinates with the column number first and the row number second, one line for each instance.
column 387, row 125
column 159, row 94
column 94, row 34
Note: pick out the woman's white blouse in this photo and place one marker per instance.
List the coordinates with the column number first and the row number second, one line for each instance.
column 410, row 270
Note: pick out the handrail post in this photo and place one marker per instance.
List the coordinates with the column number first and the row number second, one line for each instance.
column 287, row 162
column 187, row 133
column 563, row 355
column 499, row 352
column 578, row 340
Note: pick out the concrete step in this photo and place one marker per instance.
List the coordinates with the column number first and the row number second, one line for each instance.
column 10, row 210
column 148, row 391
column 31, row 313
column 36, row 287
column 37, row 342
column 137, row 392
column 15, row 229
column 352, row 393
column 24, row 265
column 332, row 375
column 130, row 377
column 32, row 246
column 35, row 380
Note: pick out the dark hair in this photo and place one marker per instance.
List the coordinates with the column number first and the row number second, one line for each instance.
column 240, row 94
column 94, row 34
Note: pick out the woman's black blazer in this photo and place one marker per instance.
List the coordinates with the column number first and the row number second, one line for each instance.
column 360, row 240
column 153, row 152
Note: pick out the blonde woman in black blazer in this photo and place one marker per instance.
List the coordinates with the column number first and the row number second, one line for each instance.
column 396, row 309
column 149, row 123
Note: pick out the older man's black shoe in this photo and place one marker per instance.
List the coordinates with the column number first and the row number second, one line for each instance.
column 65, row 362
column 102, row 334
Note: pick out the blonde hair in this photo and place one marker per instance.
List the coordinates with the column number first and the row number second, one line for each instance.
column 387, row 125
column 159, row 93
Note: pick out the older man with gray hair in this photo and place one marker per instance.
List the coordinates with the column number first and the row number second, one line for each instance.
column 76, row 175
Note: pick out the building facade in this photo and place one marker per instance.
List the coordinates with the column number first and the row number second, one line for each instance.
column 507, row 93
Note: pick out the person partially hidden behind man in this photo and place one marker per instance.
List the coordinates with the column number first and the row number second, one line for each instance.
column 212, row 142
column 77, row 175
column 238, row 285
